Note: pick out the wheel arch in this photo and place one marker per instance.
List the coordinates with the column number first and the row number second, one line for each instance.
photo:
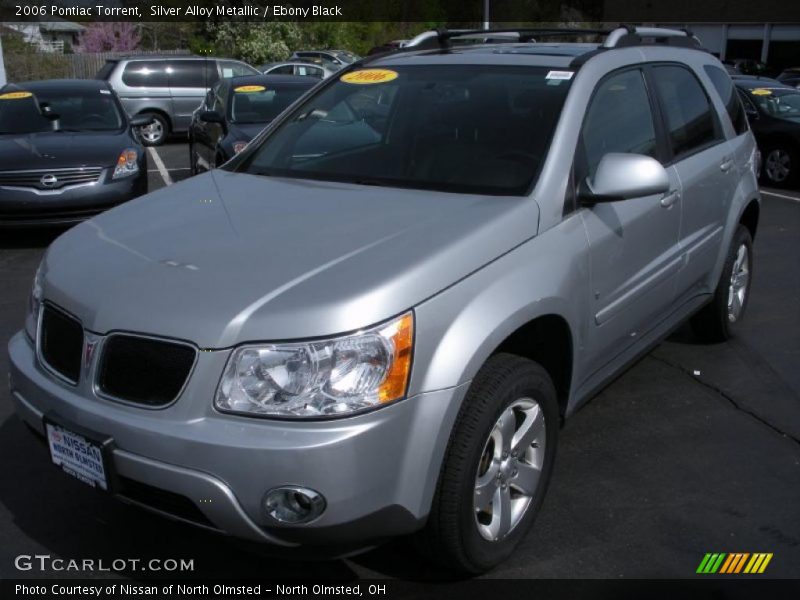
column 159, row 111
column 749, row 217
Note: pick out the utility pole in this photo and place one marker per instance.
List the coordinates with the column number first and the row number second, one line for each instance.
column 486, row 14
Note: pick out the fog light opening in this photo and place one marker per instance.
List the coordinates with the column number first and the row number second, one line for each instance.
column 293, row 505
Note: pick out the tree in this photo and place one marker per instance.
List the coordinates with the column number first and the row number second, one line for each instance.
column 109, row 37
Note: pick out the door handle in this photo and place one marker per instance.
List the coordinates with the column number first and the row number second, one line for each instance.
column 670, row 198
column 726, row 165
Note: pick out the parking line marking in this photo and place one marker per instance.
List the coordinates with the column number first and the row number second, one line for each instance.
column 162, row 169
column 792, row 198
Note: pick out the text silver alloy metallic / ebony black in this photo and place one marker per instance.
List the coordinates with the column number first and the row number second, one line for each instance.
column 235, row 111
column 67, row 152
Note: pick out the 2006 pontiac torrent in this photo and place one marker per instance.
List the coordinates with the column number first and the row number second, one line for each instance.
column 372, row 321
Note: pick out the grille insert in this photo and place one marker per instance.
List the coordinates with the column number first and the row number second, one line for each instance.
column 61, row 343
column 54, row 179
column 144, row 370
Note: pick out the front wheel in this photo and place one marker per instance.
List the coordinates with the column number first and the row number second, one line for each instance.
column 496, row 468
column 781, row 166
column 154, row 134
column 715, row 322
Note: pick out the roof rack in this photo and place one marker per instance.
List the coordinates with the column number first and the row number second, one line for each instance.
column 623, row 36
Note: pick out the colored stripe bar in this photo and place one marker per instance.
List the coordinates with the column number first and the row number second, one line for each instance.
column 717, row 563
column 765, row 563
column 703, row 563
column 727, row 563
column 741, row 562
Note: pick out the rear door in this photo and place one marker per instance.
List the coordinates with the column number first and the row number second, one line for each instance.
column 706, row 166
column 189, row 80
column 633, row 244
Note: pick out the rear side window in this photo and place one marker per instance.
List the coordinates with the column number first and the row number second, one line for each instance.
column 689, row 116
column 284, row 70
column 145, row 73
column 309, row 71
column 619, row 119
column 187, row 74
column 727, row 92
column 236, row 69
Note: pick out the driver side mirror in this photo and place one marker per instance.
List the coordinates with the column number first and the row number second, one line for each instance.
column 621, row 176
column 141, row 120
column 211, row 116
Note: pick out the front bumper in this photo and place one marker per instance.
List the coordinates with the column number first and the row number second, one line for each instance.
column 25, row 207
column 377, row 471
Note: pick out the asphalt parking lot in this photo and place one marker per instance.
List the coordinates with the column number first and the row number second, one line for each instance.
column 694, row 449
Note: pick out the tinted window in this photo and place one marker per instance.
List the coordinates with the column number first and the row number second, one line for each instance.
column 727, row 92
column 687, row 110
column 187, row 74
column 619, row 119
column 466, row 128
column 145, row 73
column 89, row 110
column 284, row 70
column 236, row 69
column 261, row 106
column 781, row 103
column 308, row 71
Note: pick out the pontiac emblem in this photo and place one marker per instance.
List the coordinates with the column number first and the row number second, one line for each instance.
column 88, row 352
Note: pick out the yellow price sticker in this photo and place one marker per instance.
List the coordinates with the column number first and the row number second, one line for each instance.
column 761, row 92
column 249, row 89
column 369, row 76
column 15, row 95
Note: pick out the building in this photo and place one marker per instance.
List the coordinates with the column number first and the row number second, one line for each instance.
column 49, row 36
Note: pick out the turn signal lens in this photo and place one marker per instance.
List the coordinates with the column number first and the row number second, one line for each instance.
column 127, row 163
column 401, row 332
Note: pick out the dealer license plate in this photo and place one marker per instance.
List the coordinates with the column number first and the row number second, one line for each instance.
column 77, row 455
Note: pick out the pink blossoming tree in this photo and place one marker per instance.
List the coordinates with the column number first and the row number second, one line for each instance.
column 109, row 37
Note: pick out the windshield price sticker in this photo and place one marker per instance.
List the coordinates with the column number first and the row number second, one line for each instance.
column 249, row 89
column 369, row 76
column 560, row 75
column 15, row 95
column 761, row 92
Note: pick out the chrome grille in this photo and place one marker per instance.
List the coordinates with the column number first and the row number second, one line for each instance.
column 50, row 179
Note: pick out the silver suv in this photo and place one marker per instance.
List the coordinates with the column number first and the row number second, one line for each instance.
column 373, row 320
column 167, row 88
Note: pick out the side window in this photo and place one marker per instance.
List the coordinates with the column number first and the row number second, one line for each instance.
column 619, row 119
column 235, row 69
column 689, row 116
column 727, row 92
column 186, row 74
column 284, row 70
column 145, row 73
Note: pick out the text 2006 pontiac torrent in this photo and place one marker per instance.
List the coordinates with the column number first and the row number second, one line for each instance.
column 372, row 321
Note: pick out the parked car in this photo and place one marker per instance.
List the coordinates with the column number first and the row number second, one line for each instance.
column 790, row 77
column 773, row 109
column 373, row 319
column 331, row 59
column 390, row 46
column 235, row 111
column 67, row 152
column 298, row 68
column 749, row 66
column 167, row 89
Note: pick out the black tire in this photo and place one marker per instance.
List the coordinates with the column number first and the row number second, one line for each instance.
column 787, row 157
column 155, row 134
column 713, row 324
column 452, row 535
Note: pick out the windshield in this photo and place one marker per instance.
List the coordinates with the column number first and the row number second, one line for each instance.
column 461, row 128
column 261, row 104
column 782, row 103
column 85, row 110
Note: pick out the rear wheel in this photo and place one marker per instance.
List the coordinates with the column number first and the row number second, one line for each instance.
column 154, row 134
column 715, row 322
column 497, row 466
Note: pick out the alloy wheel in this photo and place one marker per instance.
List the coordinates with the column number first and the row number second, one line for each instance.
column 778, row 165
column 738, row 288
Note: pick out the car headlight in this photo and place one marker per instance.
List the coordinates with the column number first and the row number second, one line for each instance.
column 34, row 305
column 127, row 163
column 239, row 146
column 334, row 377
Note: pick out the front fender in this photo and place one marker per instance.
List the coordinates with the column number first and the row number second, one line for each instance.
column 458, row 329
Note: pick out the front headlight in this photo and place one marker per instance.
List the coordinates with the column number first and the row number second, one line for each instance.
column 127, row 163
column 34, row 304
column 334, row 377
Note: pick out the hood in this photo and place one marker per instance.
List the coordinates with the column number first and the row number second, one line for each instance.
column 59, row 150
column 225, row 258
